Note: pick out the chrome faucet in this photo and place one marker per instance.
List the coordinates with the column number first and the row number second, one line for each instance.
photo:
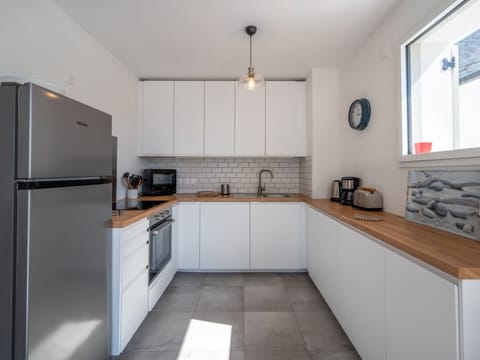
column 261, row 188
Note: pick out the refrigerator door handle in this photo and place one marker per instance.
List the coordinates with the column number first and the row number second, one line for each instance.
column 34, row 184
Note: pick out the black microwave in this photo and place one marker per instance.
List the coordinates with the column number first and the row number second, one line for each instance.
column 159, row 182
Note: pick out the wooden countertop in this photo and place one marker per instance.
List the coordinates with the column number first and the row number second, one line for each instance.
column 450, row 253
column 131, row 216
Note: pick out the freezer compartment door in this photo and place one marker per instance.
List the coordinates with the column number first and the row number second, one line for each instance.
column 59, row 137
column 65, row 233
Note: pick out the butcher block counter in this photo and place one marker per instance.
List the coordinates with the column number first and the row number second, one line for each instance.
column 452, row 254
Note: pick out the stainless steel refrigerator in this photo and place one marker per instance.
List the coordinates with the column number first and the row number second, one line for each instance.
column 55, row 210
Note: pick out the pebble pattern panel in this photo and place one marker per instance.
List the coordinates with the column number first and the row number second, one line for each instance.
column 206, row 174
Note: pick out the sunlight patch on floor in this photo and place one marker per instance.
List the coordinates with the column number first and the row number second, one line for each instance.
column 206, row 340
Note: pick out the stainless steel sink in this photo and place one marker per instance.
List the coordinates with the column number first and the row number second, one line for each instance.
column 276, row 195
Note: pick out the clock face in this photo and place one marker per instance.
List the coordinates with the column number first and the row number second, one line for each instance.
column 356, row 114
column 359, row 114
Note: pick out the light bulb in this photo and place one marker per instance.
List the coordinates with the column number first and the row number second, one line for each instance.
column 251, row 84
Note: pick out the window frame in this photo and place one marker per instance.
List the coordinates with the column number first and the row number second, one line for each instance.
column 456, row 157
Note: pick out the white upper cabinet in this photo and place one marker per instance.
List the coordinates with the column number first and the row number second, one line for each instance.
column 216, row 118
column 285, row 118
column 250, row 122
column 155, row 118
column 219, row 118
column 189, row 118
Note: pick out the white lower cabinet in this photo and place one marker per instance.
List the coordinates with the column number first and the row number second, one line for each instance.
column 422, row 312
column 361, row 292
column 134, row 308
column 224, row 236
column 188, row 235
column 277, row 241
column 389, row 306
column 129, row 283
column 322, row 255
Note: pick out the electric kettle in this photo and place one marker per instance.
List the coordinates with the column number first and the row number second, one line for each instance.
column 336, row 191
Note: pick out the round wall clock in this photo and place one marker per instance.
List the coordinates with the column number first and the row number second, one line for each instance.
column 359, row 114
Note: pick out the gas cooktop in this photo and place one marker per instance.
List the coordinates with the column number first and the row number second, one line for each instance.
column 128, row 204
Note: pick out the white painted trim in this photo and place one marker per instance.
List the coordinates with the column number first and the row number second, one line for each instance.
column 469, row 316
column 458, row 157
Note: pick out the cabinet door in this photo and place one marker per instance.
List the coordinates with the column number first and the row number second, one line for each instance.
column 250, row 122
column 224, row 236
column 361, row 292
column 134, row 308
column 322, row 255
column 188, row 227
column 421, row 313
column 276, row 229
column 189, row 118
column 285, row 118
column 156, row 118
column 219, row 118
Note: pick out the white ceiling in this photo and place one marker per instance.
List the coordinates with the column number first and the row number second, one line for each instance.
column 205, row 39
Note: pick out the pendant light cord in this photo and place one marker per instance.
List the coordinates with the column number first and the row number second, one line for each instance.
column 250, row 50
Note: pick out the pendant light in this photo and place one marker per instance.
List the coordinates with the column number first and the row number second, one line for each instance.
column 251, row 80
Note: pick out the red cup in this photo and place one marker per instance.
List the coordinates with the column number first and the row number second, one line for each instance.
column 423, row 147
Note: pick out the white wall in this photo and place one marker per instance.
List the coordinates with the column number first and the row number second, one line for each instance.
column 374, row 72
column 37, row 40
column 323, row 94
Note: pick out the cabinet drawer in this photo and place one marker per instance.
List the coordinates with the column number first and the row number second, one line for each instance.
column 134, row 265
column 136, row 228
column 134, row 242
column 134, row 308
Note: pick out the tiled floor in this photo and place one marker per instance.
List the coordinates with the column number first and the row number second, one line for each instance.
column 240, row 317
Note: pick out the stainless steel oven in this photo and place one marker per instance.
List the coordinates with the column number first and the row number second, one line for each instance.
column 160, row 242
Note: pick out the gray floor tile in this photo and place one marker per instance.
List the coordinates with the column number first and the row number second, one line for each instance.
column 272, row 331
column 339, row 355
column 178, row 299
column 211, row 355
column 306, row 299
column 225, row 279
column 266, row 298
column 181, row 355
column 297, row 280
column 147, row 355
column 161, row 331
column 263, row 279
column 322, row 332
column 232, row 319
column 278, row 355
column 188, row 279
column 319, row 322
column 220, row 298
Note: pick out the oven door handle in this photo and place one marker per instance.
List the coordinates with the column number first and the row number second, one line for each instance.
column 156, row 228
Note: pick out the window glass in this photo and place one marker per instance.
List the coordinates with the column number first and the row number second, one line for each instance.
column 443, row 83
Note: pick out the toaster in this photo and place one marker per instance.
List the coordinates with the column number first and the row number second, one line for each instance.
column 367, row 199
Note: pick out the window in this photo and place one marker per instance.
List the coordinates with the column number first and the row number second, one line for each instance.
column 443, row 84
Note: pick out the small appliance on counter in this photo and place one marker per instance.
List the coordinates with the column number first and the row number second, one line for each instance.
column 336, row 191
column 159, row 182
column 349, row 185
column 367, row 199
column 225, row 189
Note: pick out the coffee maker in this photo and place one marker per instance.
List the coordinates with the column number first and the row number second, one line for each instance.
column 349, row 185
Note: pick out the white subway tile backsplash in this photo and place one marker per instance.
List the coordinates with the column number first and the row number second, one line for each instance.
column 201, row 174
